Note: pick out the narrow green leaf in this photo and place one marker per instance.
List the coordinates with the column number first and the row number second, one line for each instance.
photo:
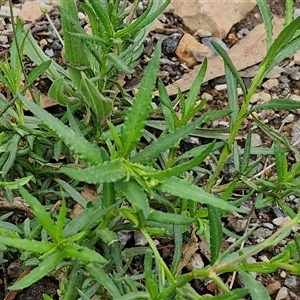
column 27, row 245
column 233, row 100
column 145, row 19
column 135, row 194
column 101, row 106
column 75, row 280
column 266, row 16
column 109, row 171
column 168, row 218
column 44, row 268
column 231, row 66
column 289, row 12
column 40, row 213
column 151, row 284
column 183, row 167
column 37, row 71
column 12, row 149
column 138, row 113
column 256, row 288
column 56, row 91
column 83, row 254
column 76, row 143
column 236, row 294
column 101, row 276
column 90, row 217
column 165, row 142
column 60, row 223
column 186, row 190
column 119, row 63
column 247, row 152
column 215, row 233
column 178, row 249
column 281, row 162
column 15, row 184
column 277, row 104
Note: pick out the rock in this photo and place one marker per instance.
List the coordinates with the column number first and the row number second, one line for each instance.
column 295, row 135
column 273, row 287
column 291, row 282
column 271, row 84
column 195, row 262
column 275, row 72
column 49, row 52
column 3, row 39
column 190, row 51
column 264, row 97
column 207, row 96
column 297, row 57
column 215, row 16
column 157, row 26
column 31, row 11
column 201, row 33
column 56, row 46
column 5, row 11
column 262, row 233
column 282, row 294
column 221, row 87
column 281, row 221
column 255, row 140
column 169, row 44
column 139, row 239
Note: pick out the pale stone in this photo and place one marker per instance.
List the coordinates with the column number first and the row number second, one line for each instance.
column 282, row 294
column 297, row 57
column 273, row 287
column 31, row 11
column 5, row 11
column 190, row 51
column 216, row 17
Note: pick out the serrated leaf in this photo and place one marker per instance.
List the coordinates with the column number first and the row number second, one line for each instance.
column 186, row 190
column 44, row 268
column 109, row 171
column 27, row 245
column 138, row 113
column 215, row 233
column 256, row 288
column 83, row 148
column 266, row 16
column 83, row 254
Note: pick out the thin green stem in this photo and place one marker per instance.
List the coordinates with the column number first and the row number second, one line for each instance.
column 157, row 256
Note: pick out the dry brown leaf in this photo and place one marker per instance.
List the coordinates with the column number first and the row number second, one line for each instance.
column 250, row 51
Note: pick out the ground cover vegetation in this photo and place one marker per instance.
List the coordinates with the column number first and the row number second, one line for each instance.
column 103, row 138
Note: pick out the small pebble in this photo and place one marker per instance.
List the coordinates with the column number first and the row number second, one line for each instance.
column 201, row 33
column 271, row 84
column 221, row 87
column 282, row 294
column 207, row 96
column 283, row 274
column 291, row 281
column 169, row 44
column 139, row 239
column 56, row 46
column 49, row 52
column 262, row 233
column 256, row 140
column 269, row 226
column 273, row 287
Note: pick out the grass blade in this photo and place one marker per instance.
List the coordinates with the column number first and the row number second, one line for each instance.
column 266, row 16
column 215, row 233
column 44, row 268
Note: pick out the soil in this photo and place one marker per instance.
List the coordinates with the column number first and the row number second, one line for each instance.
column 50, row 285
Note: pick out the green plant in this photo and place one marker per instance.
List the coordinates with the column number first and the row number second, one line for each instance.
column 143, row 183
